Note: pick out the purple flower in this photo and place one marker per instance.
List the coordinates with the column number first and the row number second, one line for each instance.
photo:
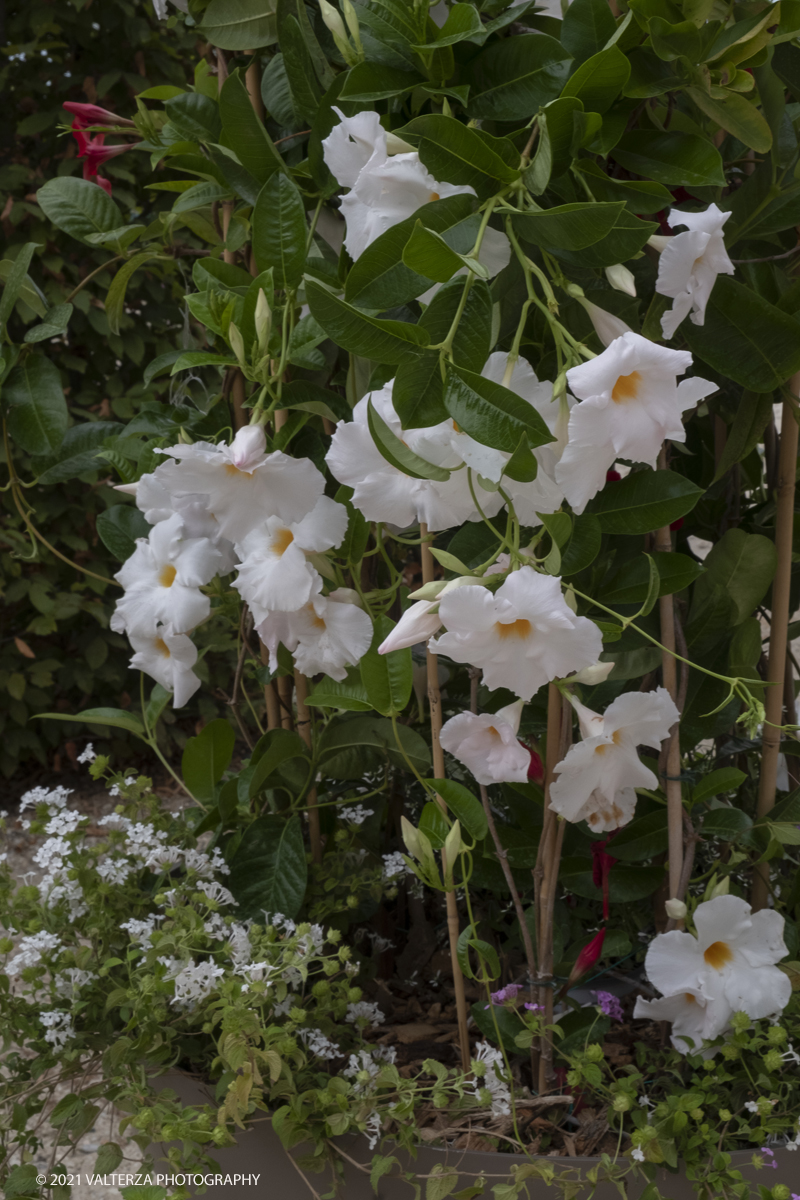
column 610, row 1005
column 534, row 1007
column 509, row 992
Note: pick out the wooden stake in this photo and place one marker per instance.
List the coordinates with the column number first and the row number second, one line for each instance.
column 253, row 80
column 285, row 701
column 663, row 544
column 779, row 625
column 435, row 702
column 304, row 729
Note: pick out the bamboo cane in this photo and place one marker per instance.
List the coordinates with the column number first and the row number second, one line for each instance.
column 304, row 729
column 663, row 544
column 779, row 624
column 435, row 703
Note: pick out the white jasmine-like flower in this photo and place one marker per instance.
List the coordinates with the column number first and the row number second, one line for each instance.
column 393, row 865
column 113, row 871
column 523, row 635
column 242, row 482
column 487, row 744
column 216, row 892
column 491, row 1081
column 167, row 657
column 356, row 814
column 30, row 951
column 87, row 755
column 59, row 1027
column 239, row 941
column 606, row 325
column 158, row 503
column 364, row 1065
column 274, row 573
column 54, row 798
column 385, row 189
column 730, row 964
column 364, row 1013
column 141, row 931
column 319, row 1044
column 383, row 493
column 195, row 982
column 637, row 1154
column 162, row 579
column 204, row 865
column 328, row 634
column 631, row 402
column 596, row 781
column 69, row 982
column 690, row 263
column 373, row 1129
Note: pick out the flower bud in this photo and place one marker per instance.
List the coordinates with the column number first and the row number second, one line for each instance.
column 452, row 846
column 676, row 909
column 606, row 326
column 594, row 1053
column 417, row 624
column 659, row 241
column 591, row 676
column 621, row 279
column 722, row 888
column 780, row 1192
column 263, row 321
column 588, row 956
column 335, row 24
column 237, row 342
column 352, row 24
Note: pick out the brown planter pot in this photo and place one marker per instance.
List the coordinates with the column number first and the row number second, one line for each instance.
column 259, row 1152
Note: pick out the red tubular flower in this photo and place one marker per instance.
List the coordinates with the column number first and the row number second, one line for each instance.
column 96, row 154
column 536, row 768
column 92, row 114
column 612, row 476
column 587, row 957
column 601, row 865
column 677, row 524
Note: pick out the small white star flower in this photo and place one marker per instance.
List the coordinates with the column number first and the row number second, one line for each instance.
column 689, row 265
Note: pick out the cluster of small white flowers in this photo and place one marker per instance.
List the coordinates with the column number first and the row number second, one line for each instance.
column 312, row 941
column 216, row 892
column 69, row 982
column 205, row 865
column 194, row 982
column 87, row 755
column 637, row 1154
column 365, row 1012
column 58, row 1024
column 359, row 1063
column 141, row 931
column 114, row 870
column 491, row 1081
column 63, row 822
column 241, row 949
column 255, row 972
column 172, row 966
column 356, row 814
column 54, row 798
column 318, row 1044
column 58, row 888
column 31, row 949
column 393, row 865
column 373, row 1129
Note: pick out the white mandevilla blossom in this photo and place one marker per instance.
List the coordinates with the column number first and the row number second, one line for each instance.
column 690, row 263
column 328, row 634
column 158, row 504
column 162, row 579
column 383, row 493
column 607, row 327
column 631, row 402
column 420, row 621
column 167, row 657
column 487, row 744
column 522, row 636
column 274, row 573
column 242, row 482
column 386, row 188
column 728, row 967
column 596, row 781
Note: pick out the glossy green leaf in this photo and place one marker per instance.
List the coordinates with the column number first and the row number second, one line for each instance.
column 643, row 838
column 464, row 806
column 418, row 391
column 244, row 133
column 728, row 824
column 345, row 694
column 397, row 453
column 752, row 417
column 600, row 80
column 382, row 341
column 491, row 413
column 14, row 281
column 115, row 299
column 626, row 884
column 645, row 500
column 743, row 564
column 639, row 195
column 554, row 146
column 119, row 527
column 388, row 678
column 195, row 116
column 738, row 116
column 587, row 26
column 428, row 251
column 433, row 824
column 345, row 745
column 280, row 231
column 55, row 323
column 463, row 24
column 269, row 871
column 717, row 783
column 34, row 404
column 116, row 718
column 206, row 757
column 275, row 748
column 473, row 339
column 28, row 291
column 374, row 81
column 583, row 546
column 78, row 206
column 626, row 239
column 456, row 154
column 569, row 226
column 630, row 584
column 78, row 450
column 307, row 91
column 674, row 159
column 240, row 24
column 746, row 338
column 514, row 77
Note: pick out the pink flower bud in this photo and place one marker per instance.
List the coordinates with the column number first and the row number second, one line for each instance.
column 587, row 957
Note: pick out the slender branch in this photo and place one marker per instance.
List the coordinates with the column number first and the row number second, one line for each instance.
column 91, row 276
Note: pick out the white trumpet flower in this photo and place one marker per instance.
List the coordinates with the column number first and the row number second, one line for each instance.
column 691, row 1016
column 167, row 657
column 328, row 634
column 523, row 635
column 487, row 744
column 274, row 573
column 690, row 263
column 596, row 781
column 631, row 402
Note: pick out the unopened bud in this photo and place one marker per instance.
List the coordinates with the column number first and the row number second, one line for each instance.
column 621, row 279
column 263, row 320
column 335, row 24
column 352, row 24
column 606, row 326
column 659, row 241
column 237, row 342
column 591, row 676
column 676, row 909
column 722, row 888
column 452, row 846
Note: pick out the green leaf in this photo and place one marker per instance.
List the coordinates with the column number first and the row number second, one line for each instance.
column 55, row 323
column 345, row 746
column 643, row 838
column 382, row 341
column 587, row 26
column 598, row 81
column 244, row 133
column 418, row 391
column 119, row 527
column 78, row 450
column 78, row 207
column 725, row 779
column 644, row 501
column 726, row 823
column 33, row 400
column 514, row 77
column 206, row 757
column 306, row 89
column 640, row 195
column 569, row 226
column 737, row 115
column 433, row 824
column 269, row 871
column 473, row 339
column 746, row 338
column 584, row 545
column 457, row 154
column 463, row 24
column 388, row 678
column 193, row 359
column 554, row 147
column 785, row 832
column 626, row 884
column 376, row 81
column 464, row 806
column 752, row 417
column 14, row 281
column 29, row 293
column 275, row 748
column 626, row 239
column 115, row 300
column 674, row 159
column 240, row 24
column 195, row 116
column 159, row 698
column 428, row 251
column 348, row 694
column 491, row 413
column 108, row 1158
column 397, row 453
column 630, row 584
column 201, row 195
column 117, row 718
column 743, row 564
column 279, row 231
